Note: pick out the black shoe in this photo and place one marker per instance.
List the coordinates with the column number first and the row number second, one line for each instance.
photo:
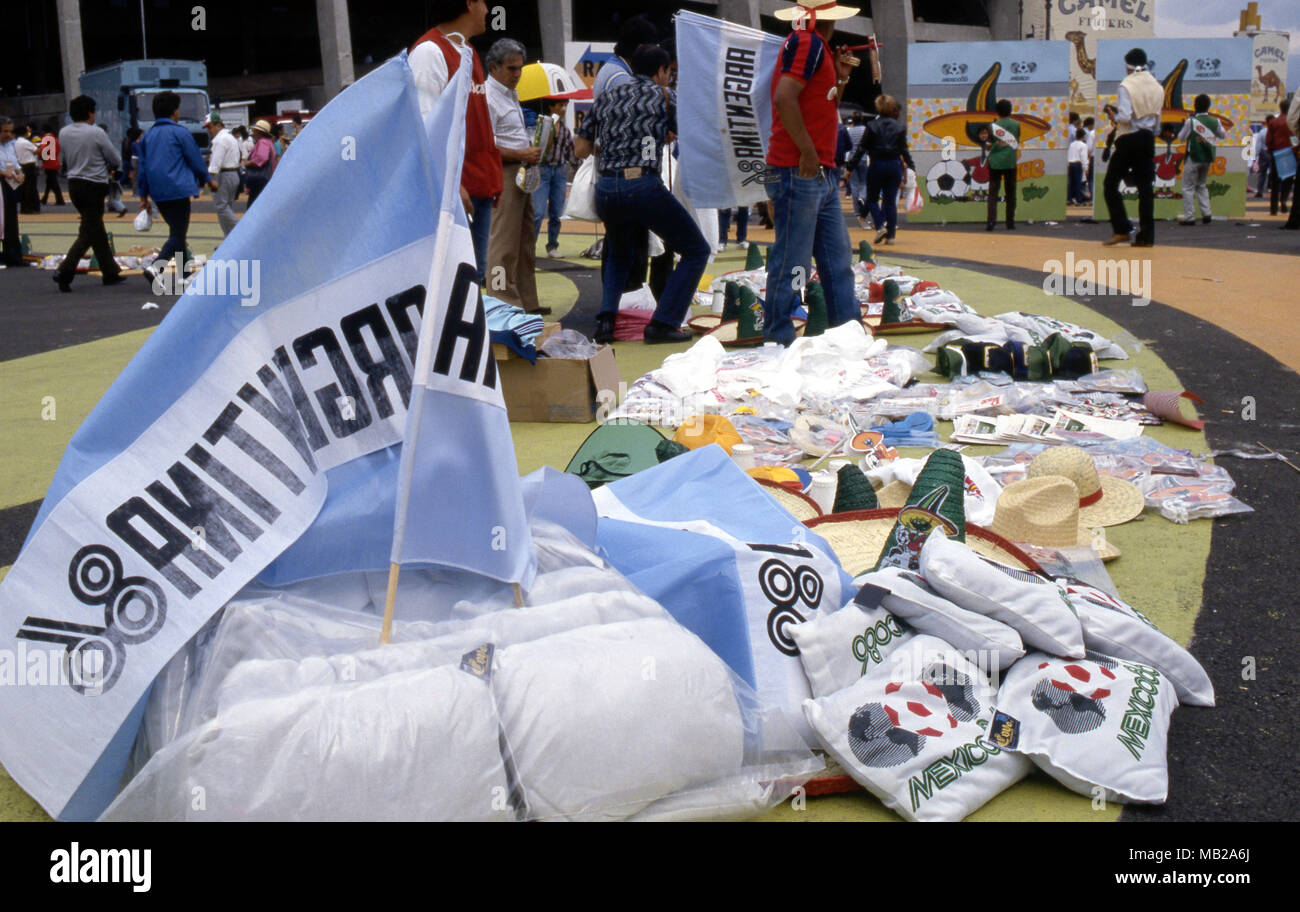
column 1186, row 221
column 65, row 285
column 656, row 332
column 1144, row 243
column 1206, row 220
column 117, row 279
column 988, row 227
column 1011, row 226
column 604, row 329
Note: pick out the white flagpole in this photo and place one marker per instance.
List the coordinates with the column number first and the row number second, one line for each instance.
column 441, row 246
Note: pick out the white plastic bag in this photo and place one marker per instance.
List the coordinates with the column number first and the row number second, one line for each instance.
column 909, row 195
column 143, row 220
column 582, row 194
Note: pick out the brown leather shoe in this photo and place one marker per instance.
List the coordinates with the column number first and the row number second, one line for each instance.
column 1115, row 240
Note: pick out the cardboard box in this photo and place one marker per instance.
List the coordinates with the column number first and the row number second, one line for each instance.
column 558, row 389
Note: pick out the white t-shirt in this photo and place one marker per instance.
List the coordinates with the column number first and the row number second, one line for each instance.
column 1091, row 140
column 429, row 69
column 26, row 151
column 225, row 153
column 1078, row 152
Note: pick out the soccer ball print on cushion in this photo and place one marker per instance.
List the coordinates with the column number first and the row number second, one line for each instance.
column 1098, row 725
column 912, row 731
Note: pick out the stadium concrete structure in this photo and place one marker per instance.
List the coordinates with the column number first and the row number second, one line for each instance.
column 351, row 43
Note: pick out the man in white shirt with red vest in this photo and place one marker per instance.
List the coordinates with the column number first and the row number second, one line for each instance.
column 434, row 59
column 1141, row 99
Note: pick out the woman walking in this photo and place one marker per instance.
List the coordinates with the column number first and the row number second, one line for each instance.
column 885, row 141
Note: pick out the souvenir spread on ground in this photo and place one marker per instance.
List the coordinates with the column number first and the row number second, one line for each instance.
column 833, row 597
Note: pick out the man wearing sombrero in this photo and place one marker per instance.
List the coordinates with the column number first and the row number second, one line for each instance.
column 1137, row 120
column 802, row 179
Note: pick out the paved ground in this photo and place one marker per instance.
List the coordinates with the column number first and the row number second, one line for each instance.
column 1222, row 318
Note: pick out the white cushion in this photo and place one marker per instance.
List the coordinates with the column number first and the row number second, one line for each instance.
column 1114, row 628
column 1093, row 723
column 601, row 721
column 913, row 733
column 1034, row 606
column 926, row 611
column 838, row 648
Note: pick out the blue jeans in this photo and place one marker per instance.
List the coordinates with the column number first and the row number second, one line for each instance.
column 1075, row 194
column 548, row 199
column 858, row 187
column 809, row 225
column 176, row 213
column 884, row 176
column 480, row 229
column 742, row 224
column 628, row 205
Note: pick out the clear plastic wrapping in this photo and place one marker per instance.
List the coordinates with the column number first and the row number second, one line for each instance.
column 589, row 703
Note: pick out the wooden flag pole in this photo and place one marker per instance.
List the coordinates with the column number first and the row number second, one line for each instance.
column 389, row 600
column 519, row 595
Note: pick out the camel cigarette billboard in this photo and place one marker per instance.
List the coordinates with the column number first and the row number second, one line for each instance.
column 953, row 89
column 1217, row 67
column 1083, row 23
column 1268, row 72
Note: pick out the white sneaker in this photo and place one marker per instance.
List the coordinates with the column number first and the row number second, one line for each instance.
column 744, row 245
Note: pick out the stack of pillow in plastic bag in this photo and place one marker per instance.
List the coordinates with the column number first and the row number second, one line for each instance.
column 936, row 690
column 588, row 703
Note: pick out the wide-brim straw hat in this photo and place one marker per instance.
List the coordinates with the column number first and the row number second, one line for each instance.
column 824, row 10
column 800, row 505
column 1044, row 511
column 728, row 332
column 857, row 538
column 263, row 126
column 1103, row 499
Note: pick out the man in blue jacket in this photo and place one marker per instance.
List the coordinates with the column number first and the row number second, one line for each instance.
column 171, row 170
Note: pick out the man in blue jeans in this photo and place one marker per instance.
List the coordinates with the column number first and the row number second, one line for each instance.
column 171, row 171
column 802, row 180
column 631, row 123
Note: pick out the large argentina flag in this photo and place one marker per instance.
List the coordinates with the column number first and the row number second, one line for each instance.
column 724, row 111
column 259, row 414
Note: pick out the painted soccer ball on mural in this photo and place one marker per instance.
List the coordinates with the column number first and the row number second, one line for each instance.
column 948, row 179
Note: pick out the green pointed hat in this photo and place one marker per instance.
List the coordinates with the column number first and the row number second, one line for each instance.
column 730, row 302
column 865, row 253
column 937, row 500
column 754, row 259
column 750, row 318
column 893, row 303
column 853, row 491
column 814, row 299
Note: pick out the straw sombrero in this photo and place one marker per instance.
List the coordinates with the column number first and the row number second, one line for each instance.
column 704, row 323
column 1045, row 511
column 858, row 538
column 814, row 10
column 728, row 332
column 1103, row 499
column 799, row 505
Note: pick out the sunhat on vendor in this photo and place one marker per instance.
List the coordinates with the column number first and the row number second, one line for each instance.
column 813, row 10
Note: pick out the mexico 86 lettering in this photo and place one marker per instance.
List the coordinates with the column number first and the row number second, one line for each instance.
column 785, row 587
column 135, row 609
